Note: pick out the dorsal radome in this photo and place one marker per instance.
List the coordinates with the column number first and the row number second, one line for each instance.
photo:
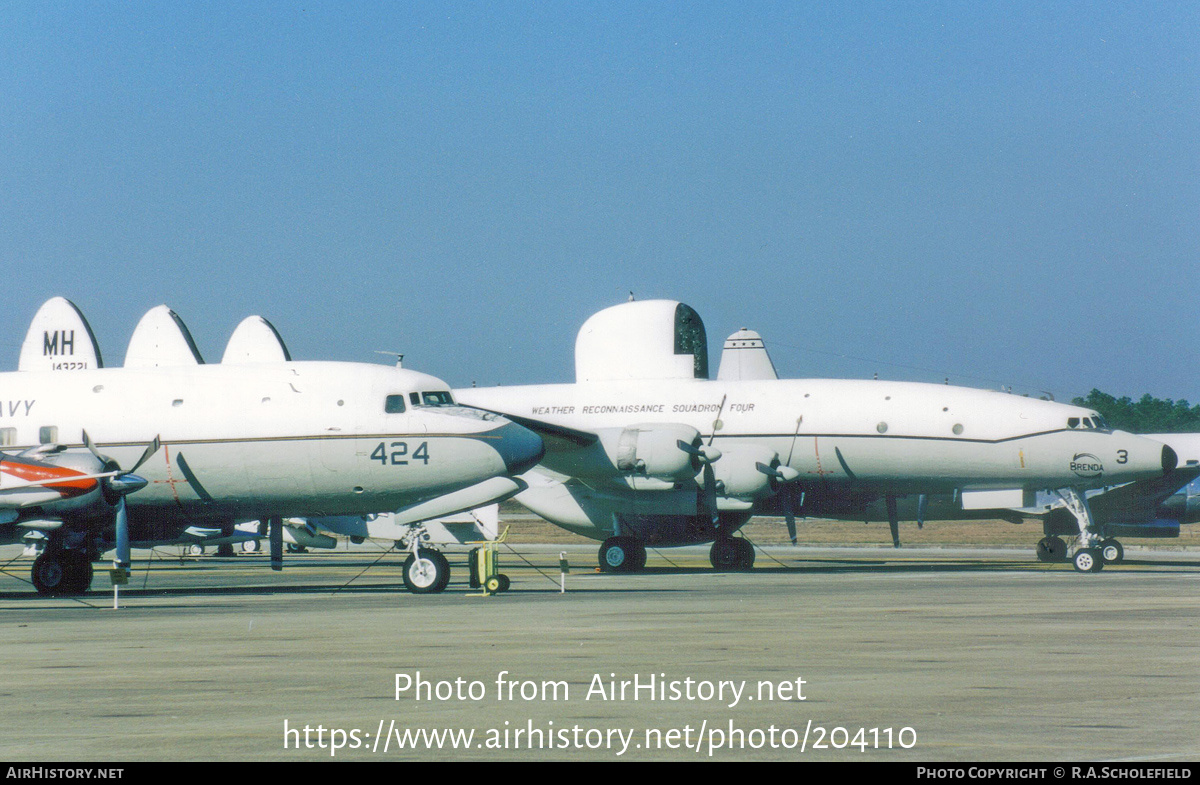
column 642, row 339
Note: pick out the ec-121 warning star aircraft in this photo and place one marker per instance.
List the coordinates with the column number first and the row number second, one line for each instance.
column 89, row 454
column 644, row 449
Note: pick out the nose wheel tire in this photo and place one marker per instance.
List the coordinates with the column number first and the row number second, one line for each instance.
column 1112, row 552
column 427, row 572
column 1088, row 560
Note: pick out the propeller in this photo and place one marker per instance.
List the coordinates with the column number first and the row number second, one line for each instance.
column 702, row 453
column 789, row 498
column 710, row 476
column 116, row 487
column 705, row 454
column 786, row 476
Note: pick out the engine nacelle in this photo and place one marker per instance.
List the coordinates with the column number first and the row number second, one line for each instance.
column 60, row 493
column 738, row 475
column 1183, row 505
column 652, row 450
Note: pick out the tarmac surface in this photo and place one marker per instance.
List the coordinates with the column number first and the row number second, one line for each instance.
column 821, row 654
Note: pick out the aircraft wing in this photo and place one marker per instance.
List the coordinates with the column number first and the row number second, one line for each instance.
column 1141, row 498
column 1131, row 501
column 557, row 438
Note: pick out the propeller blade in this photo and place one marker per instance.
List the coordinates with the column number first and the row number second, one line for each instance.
column 151, row 448
column 717, row 422
column 276, row 526
column 922, row 505
column 122, row 557
column 709, row 493
column 789, row 510
column 705, row 454
column 87, row 442
column 893, row 520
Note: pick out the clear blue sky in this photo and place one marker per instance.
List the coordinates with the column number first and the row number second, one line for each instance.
column 1001, row 193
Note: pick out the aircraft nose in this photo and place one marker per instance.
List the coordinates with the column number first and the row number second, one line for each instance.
column 519, row 447
column 1170, row 459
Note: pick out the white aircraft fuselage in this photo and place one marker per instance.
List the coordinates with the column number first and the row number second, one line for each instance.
column 844, row 438
column 283, row 439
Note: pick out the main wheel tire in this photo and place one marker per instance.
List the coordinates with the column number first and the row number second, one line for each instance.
column 427, row 572
column 79, row 573
column 744, row 550
column 724, row 554
column 637, row 552
column 1112, row 552
column 49, row 573
column 617, row 555
column 61, row 573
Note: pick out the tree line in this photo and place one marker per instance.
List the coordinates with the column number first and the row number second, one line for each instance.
column 1146, row 415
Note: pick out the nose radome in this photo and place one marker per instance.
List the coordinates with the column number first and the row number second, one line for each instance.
column 1170, row 459
column 519, row 448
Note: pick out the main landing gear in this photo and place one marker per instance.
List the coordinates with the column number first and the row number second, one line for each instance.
column 61, row 572
column 622, row 554
column 627, row 554
column 731, row 554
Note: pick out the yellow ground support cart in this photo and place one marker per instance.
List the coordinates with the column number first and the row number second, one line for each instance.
column 484, row 566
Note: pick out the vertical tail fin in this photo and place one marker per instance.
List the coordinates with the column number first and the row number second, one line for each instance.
column 745, row 357
column 161, row 339
column 59, row 339
column 255, row 341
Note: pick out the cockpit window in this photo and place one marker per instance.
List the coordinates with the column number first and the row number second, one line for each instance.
column 1093, row 423
column 440, row 398
column 394, row 404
